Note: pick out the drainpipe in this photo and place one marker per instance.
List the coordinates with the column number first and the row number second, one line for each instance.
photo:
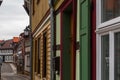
column 31, row 40
column 52, row 40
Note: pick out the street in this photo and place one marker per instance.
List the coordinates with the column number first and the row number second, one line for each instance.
column 8, row 72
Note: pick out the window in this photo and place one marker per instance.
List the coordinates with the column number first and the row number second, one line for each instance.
column 105, row 57
column 108, row 55
column 117, row 56
column 108, row 12
column 44, row 54
column 110, row 9
column 38, row 55
column 28, row 61
column 35, row 56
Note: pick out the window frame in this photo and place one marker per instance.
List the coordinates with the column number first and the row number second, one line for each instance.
column 44, row 55
column 111, row 53
column 98, row 17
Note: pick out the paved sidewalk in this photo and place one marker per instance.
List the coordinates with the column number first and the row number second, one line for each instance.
column 13, row 68
column 8, row 72
column 6, row 68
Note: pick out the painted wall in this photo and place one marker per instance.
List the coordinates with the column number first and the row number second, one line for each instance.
column 38, row 12
column 78, row 51
column 57, row 3
column 45, row 29
column 58, row 39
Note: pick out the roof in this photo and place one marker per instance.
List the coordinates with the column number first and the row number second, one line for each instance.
column 16, row 39
column 1, row 40
column 26, row 6
column 7, row 44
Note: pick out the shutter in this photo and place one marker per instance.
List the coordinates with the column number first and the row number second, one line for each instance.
column 84, row 39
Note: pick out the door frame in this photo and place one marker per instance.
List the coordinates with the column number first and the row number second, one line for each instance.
column 74, row 13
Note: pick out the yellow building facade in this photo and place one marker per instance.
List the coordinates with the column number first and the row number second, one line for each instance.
column 41, row 33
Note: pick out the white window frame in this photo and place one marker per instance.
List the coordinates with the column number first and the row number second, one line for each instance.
column 98, row 17
column 111, row 53
column 107, row 27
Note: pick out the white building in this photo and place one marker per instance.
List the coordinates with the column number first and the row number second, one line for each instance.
column 6, row 50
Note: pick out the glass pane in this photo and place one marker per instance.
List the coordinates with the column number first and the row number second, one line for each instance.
column 105, row 57
column 110, row 9
column 117, row 56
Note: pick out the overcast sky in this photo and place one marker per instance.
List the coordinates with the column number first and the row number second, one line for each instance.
column 13, row 19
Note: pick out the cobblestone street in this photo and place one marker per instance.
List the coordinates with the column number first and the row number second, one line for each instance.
column 8, row 72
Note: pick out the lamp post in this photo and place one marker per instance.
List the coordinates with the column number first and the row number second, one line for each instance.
column 1, row 2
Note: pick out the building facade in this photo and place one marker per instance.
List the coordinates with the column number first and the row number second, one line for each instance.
column 40, row 22
column 55, row 45
column 62, row 40
column 6, row 50
column 27, row 55
column 20, row 54
column 15, row 47
column 27, row 45
column 76, row 39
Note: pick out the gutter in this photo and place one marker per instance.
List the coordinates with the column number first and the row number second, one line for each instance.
column 52, row 75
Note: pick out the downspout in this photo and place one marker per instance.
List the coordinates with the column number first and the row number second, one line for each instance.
column 31, row 40
column 52, row 77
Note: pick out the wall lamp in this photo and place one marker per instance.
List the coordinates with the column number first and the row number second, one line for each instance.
column 27, row 31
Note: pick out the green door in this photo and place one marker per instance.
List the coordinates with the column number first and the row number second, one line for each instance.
column 84, row 39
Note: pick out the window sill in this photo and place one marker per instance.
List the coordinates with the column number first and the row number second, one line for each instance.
column 109, row 23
